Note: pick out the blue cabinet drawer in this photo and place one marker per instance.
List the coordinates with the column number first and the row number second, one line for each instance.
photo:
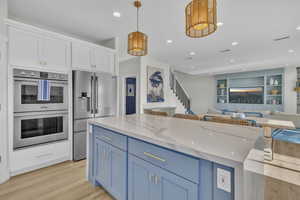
column 177, row 163
column 110, row 137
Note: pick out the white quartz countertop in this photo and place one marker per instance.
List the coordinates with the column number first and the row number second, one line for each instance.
column 222, row 143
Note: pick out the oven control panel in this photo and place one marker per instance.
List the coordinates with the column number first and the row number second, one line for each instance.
column 21, row 73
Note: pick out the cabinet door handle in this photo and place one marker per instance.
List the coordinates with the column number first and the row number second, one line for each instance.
column 151, row 178
column 154, row 157
column 156, row 179
column 104, row 154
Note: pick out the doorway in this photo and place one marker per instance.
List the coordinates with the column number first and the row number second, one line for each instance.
column 130, row 100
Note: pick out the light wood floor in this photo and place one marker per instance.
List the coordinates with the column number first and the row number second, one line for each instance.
column 65, row 181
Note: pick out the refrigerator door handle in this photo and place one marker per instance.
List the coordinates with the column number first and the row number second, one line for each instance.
column 88, row 104
column 92, row 95
column 97, row 95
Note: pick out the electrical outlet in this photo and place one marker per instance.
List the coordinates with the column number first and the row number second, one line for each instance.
column 224, row 180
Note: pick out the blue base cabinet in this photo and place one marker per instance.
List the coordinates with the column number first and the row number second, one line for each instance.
column 101, row 163
column 130, row 169
column 148, row 182
column 110, row 168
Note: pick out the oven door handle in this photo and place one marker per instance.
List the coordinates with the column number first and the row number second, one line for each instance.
column 33, row 80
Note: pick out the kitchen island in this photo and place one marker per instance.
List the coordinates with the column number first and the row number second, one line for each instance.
column 151, row 157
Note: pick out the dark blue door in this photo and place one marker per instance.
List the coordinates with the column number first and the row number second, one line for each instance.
column 130, row 96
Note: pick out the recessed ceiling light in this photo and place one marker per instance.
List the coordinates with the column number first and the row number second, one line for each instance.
column 192, row 53
column 169, row 41
column 117, row 14
column 220, row 24
column 291, row 51
column 234, row 43
column 298, row 28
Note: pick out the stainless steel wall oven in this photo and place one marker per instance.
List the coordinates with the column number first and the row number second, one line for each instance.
column 39, row 128
column 40, row 107
column 26, row 91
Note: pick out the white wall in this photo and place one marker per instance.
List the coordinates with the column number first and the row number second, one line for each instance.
column 4, row 172
column 290, row 96
column 129, row 68
column 201, row 89
column 148, row 61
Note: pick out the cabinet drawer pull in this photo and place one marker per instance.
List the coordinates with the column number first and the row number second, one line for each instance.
column 154, row 157
column 106, row 138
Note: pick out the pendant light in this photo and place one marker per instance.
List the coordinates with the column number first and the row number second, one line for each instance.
column 137, row 41
column 201, row 18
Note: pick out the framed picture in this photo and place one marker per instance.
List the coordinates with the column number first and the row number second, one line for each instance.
column 155, row 89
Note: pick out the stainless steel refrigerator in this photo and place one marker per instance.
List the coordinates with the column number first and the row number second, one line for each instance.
column 94, row 96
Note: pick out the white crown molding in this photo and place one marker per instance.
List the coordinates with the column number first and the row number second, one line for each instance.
column 35, row 29
column 125, row 58
column 243, row 67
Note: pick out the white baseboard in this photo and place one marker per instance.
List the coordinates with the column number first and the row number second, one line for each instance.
column 4, row 175
column 47, row 164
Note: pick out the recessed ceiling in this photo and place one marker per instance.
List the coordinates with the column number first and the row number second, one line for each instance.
column 253, row 23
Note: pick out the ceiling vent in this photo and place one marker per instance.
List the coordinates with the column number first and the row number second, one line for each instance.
column 225, row 51
column 189, row 58
column 282, row 38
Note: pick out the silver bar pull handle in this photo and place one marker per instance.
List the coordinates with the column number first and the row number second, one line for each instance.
column 150, row 155
column 88, row 104
column 106, row 138
column 97, row 95
column 92, row 95
column 151, row 176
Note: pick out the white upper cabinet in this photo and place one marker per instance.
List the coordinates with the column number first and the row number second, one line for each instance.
column 29, row 49
column 81, row 56
column 104, row 60
column 36, row 48
column 93, row 58
column 55, row 53
column 23, row 48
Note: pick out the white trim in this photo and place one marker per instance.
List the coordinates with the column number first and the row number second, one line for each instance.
column 4, row 164
column 28, row 169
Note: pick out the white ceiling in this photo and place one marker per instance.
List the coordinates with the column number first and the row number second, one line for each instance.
column 253, row 23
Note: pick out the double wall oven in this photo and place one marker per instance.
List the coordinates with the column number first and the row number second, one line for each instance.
column 40, row 107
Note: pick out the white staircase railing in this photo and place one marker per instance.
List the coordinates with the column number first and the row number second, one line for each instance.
column 180, row 92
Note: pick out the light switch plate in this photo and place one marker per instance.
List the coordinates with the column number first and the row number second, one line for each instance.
column 224, row 180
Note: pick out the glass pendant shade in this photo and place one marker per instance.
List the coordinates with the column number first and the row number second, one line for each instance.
column 201, row 18
column 137, row 44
